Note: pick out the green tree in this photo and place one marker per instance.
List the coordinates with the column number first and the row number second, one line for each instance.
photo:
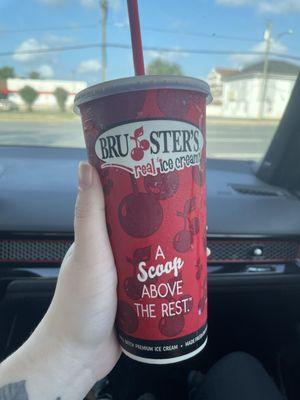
column 34, row 75
column 61, row 96
column 7, row 72
column 163, row 67
column 29, row 96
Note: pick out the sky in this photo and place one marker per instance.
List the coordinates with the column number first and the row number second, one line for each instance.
column 237, row 25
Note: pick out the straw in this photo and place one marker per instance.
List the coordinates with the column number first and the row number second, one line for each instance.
column 136, row 40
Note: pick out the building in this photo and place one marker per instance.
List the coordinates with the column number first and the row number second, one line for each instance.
column 215, row 80
column 45, row 88
column 243, row 91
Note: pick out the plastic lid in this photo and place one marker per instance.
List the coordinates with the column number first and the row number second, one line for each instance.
column 142, row 82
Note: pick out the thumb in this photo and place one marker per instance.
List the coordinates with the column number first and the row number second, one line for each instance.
column 91, row 239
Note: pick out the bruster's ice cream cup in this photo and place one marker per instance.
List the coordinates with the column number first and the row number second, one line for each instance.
column 145, row 136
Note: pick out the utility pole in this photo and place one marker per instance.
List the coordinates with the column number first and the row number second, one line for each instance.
column 104, row 9
column 267, row 38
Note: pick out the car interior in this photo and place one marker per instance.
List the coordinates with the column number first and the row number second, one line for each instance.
column 253, row 268
column 253, row 203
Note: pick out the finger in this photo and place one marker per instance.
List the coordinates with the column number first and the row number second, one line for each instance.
column 91, row 237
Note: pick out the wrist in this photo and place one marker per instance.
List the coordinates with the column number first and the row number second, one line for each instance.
column 92, row 360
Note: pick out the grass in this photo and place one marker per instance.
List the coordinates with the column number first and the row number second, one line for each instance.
column 38, row 116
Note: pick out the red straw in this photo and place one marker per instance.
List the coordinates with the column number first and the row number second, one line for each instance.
column 136, row 40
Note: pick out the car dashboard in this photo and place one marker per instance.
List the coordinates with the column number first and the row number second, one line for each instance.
column 253, row 234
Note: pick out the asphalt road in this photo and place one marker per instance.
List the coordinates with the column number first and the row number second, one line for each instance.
column 225, row 139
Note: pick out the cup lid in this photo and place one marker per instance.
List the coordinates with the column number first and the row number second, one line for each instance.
column 142, row 82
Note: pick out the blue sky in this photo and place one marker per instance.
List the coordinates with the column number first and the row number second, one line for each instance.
column 241, row 19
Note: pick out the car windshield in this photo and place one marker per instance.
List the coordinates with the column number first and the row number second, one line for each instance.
column 247, row 50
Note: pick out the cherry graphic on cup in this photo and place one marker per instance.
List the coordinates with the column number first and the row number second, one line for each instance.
column 197, row 174
column 137, row 153
column 106, row 182
column 162, row 186
column 170, row 104
column 183, row 239
column 127, row 317
column 172, row 325
column 90, row 127
column 132, row 286
column 140, row 214
column 194, row 225
column 199, row 268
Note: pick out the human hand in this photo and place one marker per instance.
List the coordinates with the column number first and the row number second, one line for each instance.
column 82, row 314
column 75, row 344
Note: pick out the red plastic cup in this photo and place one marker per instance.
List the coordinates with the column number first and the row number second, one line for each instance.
column 146, row 137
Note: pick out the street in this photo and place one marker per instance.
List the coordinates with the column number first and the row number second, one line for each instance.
column 225, row 138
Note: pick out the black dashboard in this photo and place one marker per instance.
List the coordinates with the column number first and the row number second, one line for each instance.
column 38, row 191
column 253, row 227
column 253, row 235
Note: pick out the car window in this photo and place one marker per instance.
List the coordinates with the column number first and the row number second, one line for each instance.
column 248, row 51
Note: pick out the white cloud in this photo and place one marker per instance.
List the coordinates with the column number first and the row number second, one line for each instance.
column 275, row 47
column 46, row 71
column 54, row 40
column 279, row 7
column 267, row 6
column 165, row 55
column 89, row 66
column 235, row 2
column 122, row 24
column 115, row 5
column 29, row 45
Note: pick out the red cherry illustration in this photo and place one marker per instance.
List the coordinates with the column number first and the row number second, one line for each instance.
column 106, row 112
column 126, row 317
column 171, row 326
column 182, row 241
column 171, row 104
column 138, row 132
column 137, row 153
column 140, row 214
column 133, row 288
column 199, row 269
column 90, row 127
column 107, row 183
column 144, row 144
column 162, row 186
column 194, row 225
column 197, row 175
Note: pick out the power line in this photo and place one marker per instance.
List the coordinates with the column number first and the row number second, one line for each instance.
column 49, row 29
column 148, row 48
column 200, row 34
column 145, row 28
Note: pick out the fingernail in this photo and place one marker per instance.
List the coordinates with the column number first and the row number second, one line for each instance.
column 85, row 175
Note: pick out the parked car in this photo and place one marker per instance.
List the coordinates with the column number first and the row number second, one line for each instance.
column 8, row 105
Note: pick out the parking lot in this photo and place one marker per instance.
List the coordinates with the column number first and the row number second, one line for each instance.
column 225, row 138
